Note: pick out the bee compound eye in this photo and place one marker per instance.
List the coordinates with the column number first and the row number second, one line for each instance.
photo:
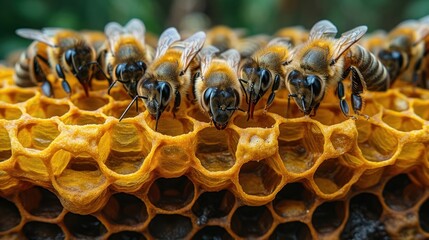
column 69, row 54
column 265, row 79
column 119, row 70
column 207, row 95
column 164, row 90
column 315, row 84
column 142, row 65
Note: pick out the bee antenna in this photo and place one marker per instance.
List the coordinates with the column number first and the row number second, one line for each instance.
column 128, row 108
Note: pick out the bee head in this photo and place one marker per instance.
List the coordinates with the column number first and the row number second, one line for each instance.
column 79, row 61
column 221, row 104
column 305, row 89
column 258, row 81
column 129, row 74
column 159, row 94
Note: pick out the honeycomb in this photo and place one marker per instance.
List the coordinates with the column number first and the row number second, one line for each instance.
column 70, row 170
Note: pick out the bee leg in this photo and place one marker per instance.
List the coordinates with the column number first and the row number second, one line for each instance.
column 288, row 104
column 47, row 88
column 111, row 86
column 357, row 90
column 128, row 108
column 177, row 100
column 341, row 95
column 276, row 85
column 64, row 83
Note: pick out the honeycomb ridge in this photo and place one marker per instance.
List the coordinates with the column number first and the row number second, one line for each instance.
column 118, row 180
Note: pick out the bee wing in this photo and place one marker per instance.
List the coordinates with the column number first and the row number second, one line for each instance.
column 168, row 37
column 422, row 33
column 232, row 57
column 346, row 40
column 37, row 35
column 113, row 31
column 193, row 45
column 206, row 55
column 322, row 29
column 283, row 41
column 137, row 28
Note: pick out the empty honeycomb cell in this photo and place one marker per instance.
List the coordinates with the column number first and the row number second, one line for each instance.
column 392, row 101
column 82, row 119
column 251, row 222
column 9, row 215
column 42, row 230
column 84, row 226
column 342, row 142
column 125, row 209
column 371, row 107
column 291, row 230
column 216, row 149
column 119, row 94
column 365, row 210
column 258, row 177
column 117, row 109
column 170, row 125
column 130, row 144
column 411, row 154
column 212, row 233
column 332, row 175
column 80, row 175
column 197, row 114
column 10, row 113
column 413, row 92
column 15, row 95
column 300, row 145
column 421, row 109
column 400, row 193
column 32, row 167
column 164, row 226
column 90, row 103
column 127, row 235
column 376, row 143
column 401, row 123
column 171, row 193
column 328, row 216
column 259, row 120
column 40, row 202
column 293, row 200
column 329, row 115
column 46, row 108
column 172, row 159
column 424, row 216
column 5, row 147
column 213, row 205
column 38, row 135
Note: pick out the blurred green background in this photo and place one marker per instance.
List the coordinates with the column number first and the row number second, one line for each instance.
column 257, row 16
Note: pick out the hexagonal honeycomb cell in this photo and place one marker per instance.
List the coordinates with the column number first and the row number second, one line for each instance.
column 69, row 169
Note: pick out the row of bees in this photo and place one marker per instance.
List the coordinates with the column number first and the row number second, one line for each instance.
column 220, row 71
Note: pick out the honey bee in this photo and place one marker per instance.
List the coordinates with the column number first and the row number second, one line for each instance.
column 264, row 71
column 168, row 77
column 406, row 51
column 33, row 67
column 67, row 52
column 222, row 37
column 324, row 61
column 128, row 57
column 217, row 89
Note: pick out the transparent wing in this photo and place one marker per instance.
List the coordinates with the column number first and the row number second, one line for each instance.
column 168, row 37
column 37, row 35
column 113, row 31
column 346, row 40
column 232, row 56
column 193, row 45
column 206, row 55
column 322, row 29
column 137, row 28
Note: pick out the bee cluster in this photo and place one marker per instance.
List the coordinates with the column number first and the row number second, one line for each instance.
column 228, row 69
column 292, row 160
